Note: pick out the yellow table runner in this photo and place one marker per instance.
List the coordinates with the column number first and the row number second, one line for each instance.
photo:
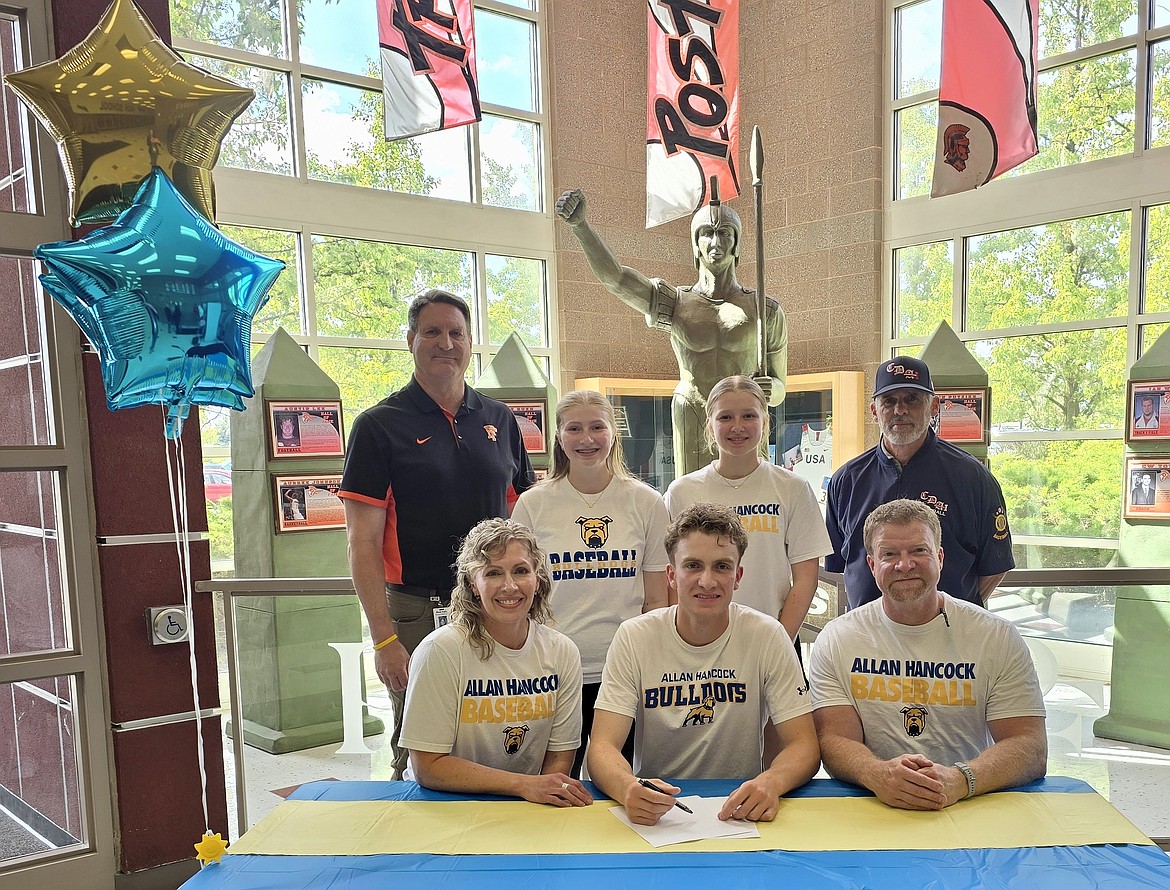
column 363, row 828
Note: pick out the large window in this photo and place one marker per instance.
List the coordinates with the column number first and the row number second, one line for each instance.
column 55, row 818
column 365, row 224
column 1055, row 275
column 1086, row 96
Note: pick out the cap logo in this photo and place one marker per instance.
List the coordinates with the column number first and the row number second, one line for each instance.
column 902, row 371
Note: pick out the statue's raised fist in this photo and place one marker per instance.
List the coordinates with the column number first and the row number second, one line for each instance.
column 571, row 206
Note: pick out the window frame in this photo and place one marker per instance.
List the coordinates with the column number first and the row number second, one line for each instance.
column 307, row 207
column 66, row 456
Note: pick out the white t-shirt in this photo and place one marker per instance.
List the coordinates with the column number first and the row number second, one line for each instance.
column 506, row 712
column 596, row 556
column 699, row 711
column 780, row 513
column 928, row 689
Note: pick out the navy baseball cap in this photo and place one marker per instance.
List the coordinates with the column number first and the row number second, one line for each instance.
column 902, row 372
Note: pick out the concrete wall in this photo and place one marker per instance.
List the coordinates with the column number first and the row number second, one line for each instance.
column 810, row 78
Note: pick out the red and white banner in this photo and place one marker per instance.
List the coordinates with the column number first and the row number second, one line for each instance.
column 428, row 66
column 987, row 91
column 692, row 108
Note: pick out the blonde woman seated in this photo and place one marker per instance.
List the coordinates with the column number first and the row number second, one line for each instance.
column 494, row 700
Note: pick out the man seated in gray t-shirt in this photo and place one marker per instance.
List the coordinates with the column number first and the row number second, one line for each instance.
column 698, row 681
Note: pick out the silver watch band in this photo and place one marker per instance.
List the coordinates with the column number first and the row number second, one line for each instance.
column 969, row 776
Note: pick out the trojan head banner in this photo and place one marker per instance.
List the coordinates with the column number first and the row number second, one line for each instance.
column 692, row 109
column 986, row 93
column 428, row 66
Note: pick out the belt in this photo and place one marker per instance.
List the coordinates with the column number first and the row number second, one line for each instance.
column 430, row 593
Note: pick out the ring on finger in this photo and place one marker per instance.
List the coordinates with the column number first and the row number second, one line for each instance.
column 564, row 786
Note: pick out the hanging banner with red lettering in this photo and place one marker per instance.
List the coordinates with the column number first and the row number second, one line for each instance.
column 692, row 108
column 986, row 93
column 428, row 66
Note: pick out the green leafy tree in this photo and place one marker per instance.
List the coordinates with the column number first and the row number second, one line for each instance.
column 1085, row 110
column 515, row 285
column 925, row 284
column 251, row 25
column 515, row 291
column 1065, row 271
column 512, row 185
column 283, row 307
column 1057, row 488
column 261, row 138
column 219, row 528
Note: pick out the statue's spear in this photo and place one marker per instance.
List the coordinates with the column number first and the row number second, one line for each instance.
column 756, row 161
column 713, row 204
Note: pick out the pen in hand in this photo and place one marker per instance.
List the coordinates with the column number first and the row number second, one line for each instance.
column 646, row 783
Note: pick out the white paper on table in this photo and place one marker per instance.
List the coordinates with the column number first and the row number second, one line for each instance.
column 677, row 827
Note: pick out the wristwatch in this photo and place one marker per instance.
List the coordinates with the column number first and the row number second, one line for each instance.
column 970, row 777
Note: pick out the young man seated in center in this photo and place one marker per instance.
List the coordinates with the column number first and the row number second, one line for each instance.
column 699, row 680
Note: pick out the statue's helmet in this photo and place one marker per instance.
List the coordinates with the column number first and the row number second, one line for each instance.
column 715, row 214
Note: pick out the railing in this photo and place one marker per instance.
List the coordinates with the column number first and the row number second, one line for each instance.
column 233, row 588
column 1015, row 580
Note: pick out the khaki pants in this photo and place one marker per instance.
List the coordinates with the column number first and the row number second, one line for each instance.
column 414, row 618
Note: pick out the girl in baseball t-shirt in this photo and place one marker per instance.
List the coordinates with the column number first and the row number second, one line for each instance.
column 493, row 704
column 786, row 533
column 603, row 531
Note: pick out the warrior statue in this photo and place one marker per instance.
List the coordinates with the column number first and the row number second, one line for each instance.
column 712, row 324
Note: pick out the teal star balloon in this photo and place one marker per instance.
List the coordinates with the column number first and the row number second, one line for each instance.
column 166, row 300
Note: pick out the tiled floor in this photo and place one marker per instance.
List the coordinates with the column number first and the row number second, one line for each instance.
column 1135, row 779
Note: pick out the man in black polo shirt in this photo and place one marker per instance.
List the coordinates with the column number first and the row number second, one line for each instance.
column 422, row 467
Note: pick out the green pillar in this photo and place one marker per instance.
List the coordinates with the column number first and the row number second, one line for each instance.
column 953, row 367
column 289, row 676
column 1139, row 702
column 515, row 377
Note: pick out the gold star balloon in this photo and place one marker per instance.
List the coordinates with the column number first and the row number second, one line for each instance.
column 122, row 99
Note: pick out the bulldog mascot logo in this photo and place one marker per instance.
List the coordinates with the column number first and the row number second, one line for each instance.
column 914, row 718
column 514, row 738
column 700, row 714
column 594, row 532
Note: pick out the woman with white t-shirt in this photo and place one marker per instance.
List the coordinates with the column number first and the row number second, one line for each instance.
column 603, row 531
column 786, row 533
column 494, row 699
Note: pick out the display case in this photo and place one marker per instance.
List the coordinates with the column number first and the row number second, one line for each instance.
column 820, row 425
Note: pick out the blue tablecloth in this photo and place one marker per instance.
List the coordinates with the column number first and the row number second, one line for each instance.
column 1104, row 867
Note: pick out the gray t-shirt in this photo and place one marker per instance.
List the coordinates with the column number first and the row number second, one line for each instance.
column 700, row 711
column 928, row 689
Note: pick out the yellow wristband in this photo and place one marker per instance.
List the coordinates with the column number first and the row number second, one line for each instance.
column 386, row 642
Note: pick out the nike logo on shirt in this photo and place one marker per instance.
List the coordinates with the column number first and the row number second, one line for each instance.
column 424, row 441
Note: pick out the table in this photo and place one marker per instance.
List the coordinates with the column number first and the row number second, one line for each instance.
column 1087, row 864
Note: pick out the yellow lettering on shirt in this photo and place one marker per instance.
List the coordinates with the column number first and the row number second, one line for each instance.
column 507, row 709
column 912, row 691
